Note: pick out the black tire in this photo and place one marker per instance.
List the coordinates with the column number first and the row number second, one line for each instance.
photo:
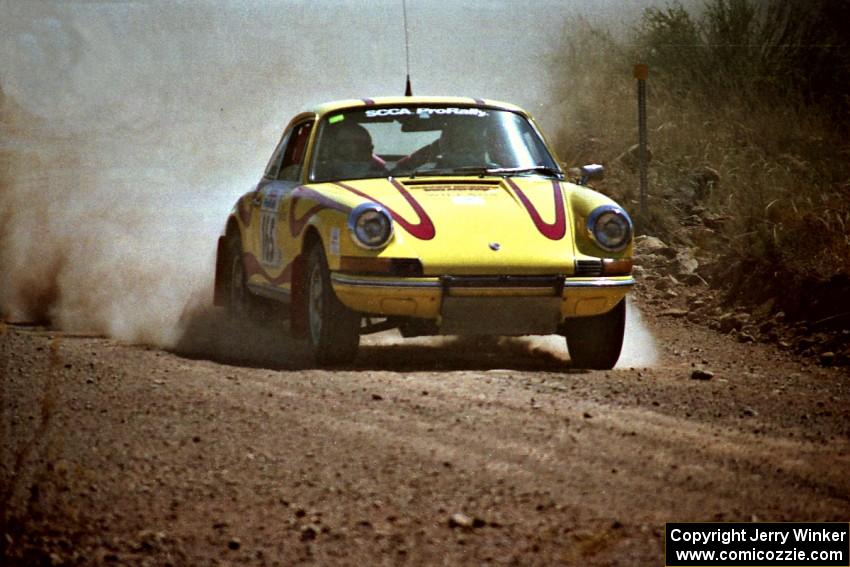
column 237, row 298
column 595, row 342
column 333, row 330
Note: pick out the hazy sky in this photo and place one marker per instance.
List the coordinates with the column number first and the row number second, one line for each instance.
column 217, row 81
column 143, row 121
column 99, row 65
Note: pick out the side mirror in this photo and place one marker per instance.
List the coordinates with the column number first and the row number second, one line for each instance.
column 591, row 172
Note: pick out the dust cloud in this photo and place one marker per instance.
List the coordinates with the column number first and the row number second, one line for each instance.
column 127, row 131
column 639, row 349
column 543, row 352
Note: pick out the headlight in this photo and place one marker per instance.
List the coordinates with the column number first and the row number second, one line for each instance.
column 610, row 227
column 371, row 225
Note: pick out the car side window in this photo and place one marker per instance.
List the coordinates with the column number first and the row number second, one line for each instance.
column 293, row 154
column 274, row 162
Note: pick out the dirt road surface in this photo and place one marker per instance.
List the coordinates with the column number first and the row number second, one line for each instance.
column 439, row 452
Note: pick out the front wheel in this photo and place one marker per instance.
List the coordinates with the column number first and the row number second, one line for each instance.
column 595, row 342
column 334, row 329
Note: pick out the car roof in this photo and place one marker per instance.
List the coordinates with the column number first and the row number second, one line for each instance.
column 399, row 100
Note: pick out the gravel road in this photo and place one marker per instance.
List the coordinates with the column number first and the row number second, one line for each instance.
column 425, row 452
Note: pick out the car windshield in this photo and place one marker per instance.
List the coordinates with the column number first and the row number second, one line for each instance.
column 421, row 140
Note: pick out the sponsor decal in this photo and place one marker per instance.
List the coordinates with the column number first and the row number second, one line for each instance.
column 271, row 200
column 334, row 245
column 423, row 230
column 378, row 112
column 425, row 112
column 557, row 229
column 452, row 110
column 457, row 188
column 270, row 251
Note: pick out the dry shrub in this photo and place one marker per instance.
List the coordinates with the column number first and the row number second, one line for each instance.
column 720, row 101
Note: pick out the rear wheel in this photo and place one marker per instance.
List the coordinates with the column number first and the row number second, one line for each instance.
column 595, row 342
column 237, row 297
column 333, row 328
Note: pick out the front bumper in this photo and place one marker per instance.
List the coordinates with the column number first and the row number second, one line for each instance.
column 524, row 297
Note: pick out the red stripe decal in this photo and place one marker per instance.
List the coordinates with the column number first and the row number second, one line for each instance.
column 423, row 230
column 557, row 229
column 296, row 225
column 252, row 267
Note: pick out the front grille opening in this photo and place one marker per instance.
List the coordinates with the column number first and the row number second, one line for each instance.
column 408, row 267
column 377, row 266
column 588, row 268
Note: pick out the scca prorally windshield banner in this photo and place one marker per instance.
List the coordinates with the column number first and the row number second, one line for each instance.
column 425, row 112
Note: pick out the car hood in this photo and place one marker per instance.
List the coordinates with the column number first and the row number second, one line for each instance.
column 476, row 226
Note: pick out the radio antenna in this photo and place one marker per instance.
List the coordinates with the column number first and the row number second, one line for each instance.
column 408, row 90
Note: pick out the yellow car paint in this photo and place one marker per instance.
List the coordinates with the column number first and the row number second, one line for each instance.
column 459, row 225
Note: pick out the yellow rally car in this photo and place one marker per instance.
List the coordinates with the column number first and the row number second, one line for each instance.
column 435, row 215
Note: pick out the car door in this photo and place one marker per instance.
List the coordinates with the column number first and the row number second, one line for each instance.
column 282, row 176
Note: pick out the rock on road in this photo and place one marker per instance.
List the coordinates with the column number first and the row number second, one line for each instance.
column 430, row 452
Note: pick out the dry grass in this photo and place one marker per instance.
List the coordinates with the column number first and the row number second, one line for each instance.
column 780, row 157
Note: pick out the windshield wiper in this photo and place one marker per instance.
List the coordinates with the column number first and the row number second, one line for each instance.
column 543, row 169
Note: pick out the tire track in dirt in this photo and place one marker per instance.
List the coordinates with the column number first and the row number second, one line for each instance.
column 367, row 463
